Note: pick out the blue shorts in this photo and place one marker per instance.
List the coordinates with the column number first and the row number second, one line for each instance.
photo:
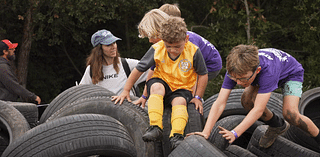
column 292, row 88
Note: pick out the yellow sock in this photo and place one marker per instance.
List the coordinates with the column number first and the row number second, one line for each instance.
column 179, row 119
column 155, row 109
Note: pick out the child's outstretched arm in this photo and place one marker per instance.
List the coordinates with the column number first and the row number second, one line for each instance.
column 133, row 77
column 254, row 114
column 215, row 112
column 201, row 86
column 142, row 101
column 145, row 63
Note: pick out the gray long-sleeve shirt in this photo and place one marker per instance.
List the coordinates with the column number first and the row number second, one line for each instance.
column 10, row 89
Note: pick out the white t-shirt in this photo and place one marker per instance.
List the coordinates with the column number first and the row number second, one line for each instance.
column 112, row 81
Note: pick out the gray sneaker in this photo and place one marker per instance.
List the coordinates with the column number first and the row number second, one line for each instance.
column 271, row 134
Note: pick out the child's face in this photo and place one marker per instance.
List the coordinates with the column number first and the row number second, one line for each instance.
column 175, row 49
column 247, row 79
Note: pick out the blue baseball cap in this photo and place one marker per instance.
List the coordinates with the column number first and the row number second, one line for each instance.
column 103, row 37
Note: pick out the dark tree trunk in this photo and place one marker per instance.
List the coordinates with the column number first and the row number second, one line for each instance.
column 23, row 57
column 127, row 33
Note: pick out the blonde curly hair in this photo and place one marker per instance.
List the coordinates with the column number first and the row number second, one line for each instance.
column 173, row 30
column 150, row 24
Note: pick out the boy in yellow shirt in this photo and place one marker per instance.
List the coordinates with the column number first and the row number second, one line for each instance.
column 177, row 63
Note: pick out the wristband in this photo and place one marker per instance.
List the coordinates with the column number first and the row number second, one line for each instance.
column 144, row 97
column 199, row 98
column 234, row 133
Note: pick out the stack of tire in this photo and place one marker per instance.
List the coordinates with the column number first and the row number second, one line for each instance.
column 83, row 121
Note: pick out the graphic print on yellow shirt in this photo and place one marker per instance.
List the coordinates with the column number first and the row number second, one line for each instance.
column 179, row 73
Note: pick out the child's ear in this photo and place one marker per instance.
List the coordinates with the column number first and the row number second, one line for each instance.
column 187, row 38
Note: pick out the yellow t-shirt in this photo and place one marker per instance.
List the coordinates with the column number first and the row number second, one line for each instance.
column 179, row 73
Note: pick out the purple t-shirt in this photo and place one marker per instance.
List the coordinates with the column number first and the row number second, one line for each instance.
column 277, row 67
column 210, row 54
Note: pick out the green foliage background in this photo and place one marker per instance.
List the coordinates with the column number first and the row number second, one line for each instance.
column 63, row 28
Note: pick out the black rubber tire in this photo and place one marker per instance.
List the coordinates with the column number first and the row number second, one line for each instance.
column 72, row 94
column 28, row 110
column 277, row 95
column 208, row 102
column 195, row 124
column 282, row 147
column 41, row 109
column 300, row 137
column 134, row 118
column 234, row 106
column 196, row 146
column 230, row 123
column 12, row 121
column 310, row 103
column 237, row 151
column 73, row 136
column 4, row 141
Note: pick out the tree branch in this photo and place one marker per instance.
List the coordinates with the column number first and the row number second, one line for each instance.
column 248, row 21
column 66, row 52
column 312, row 17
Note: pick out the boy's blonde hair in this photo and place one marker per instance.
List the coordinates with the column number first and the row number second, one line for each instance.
column 151, row 23
column 242, row 59
column 171, row 9
column 173, row 30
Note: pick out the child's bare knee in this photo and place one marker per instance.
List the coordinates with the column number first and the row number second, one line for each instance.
column 246, row 101
column 156, row 87
column 179, row 101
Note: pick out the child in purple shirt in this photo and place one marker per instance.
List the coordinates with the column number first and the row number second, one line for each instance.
column 261, row 72
column 277, row 67
column 210, row 54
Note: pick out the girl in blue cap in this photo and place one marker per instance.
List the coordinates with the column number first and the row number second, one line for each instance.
column 104, row 67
